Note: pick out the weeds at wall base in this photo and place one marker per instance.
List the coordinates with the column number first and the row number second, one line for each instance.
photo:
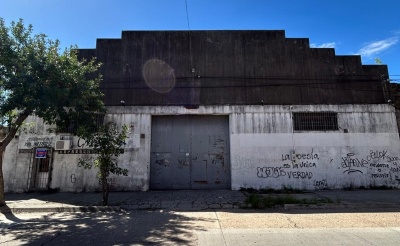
column 371, row 187
column 260, row 201
column 284, row 190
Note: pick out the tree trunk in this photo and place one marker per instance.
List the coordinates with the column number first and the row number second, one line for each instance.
column 13, row 130
column 104, row 187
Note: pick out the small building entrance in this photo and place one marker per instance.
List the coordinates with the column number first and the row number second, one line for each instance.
column 190, row 152
column 40, row 170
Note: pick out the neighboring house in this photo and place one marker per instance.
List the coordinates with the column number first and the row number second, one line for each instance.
column 225, row 110
column 395, row 94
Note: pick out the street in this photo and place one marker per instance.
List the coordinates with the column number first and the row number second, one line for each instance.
column 210, row 227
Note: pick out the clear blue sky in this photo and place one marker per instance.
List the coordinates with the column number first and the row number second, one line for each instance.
column 370, row 28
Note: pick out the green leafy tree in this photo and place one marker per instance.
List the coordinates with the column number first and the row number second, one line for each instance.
column 37, row 78
column 107, row 143
column 378, row 61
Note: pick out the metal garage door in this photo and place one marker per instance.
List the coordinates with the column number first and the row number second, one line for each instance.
column 190, row 152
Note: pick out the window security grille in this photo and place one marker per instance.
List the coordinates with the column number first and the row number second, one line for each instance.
column 43, row 165
column 99, row 119
column 315, row 121
column 98, row 122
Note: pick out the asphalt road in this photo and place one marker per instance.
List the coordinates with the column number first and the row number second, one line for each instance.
column 239, row 227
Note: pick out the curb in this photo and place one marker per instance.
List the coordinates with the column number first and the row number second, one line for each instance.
column 351, row 206
column 91, row 209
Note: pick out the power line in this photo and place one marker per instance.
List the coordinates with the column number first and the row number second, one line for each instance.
column 298, row 85
column 327, row 80
column 190, row 36
column 187, row 15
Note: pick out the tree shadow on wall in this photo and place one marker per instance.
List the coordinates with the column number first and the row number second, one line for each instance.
column 137, row 227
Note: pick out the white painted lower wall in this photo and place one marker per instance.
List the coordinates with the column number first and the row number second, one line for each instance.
column 264, row 150
column 315, row 160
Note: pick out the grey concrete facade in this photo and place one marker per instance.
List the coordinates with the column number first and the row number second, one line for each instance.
column 260, row 81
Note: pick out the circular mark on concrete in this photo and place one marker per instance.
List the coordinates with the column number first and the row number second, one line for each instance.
column 159, row 76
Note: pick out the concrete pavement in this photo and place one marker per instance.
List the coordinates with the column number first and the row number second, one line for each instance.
column 210, row 227
column 205, row 228
column 190, row 200
column 361, row 217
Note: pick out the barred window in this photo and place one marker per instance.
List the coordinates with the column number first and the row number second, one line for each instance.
column 98, row 122
column 315, row 121
column 70, row 129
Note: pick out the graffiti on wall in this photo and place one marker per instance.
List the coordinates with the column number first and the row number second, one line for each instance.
column 295, row 166
column 73, row 178
column 353, row 164
column 321, row 183
column 276, row 172
column 374, row 164
column 377, row 163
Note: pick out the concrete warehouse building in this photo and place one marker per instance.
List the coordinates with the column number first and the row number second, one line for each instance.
column 225, row 110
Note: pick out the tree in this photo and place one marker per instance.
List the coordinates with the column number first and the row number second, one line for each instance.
column 36, row 78
column 107, row 143
column 378, row 61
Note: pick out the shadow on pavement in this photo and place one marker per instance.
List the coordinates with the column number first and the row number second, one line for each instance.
column 140, row 227
column 9, row 215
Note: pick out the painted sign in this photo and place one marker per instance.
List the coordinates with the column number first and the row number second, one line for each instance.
column 40, row 141
column 83, row 151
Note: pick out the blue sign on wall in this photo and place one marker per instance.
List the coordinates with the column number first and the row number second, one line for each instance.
column 41, row 153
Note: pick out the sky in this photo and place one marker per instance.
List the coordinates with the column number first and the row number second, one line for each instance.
column 370, row 28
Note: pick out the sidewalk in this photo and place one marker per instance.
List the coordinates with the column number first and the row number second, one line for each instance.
column 187, row 200
column 182, row 200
